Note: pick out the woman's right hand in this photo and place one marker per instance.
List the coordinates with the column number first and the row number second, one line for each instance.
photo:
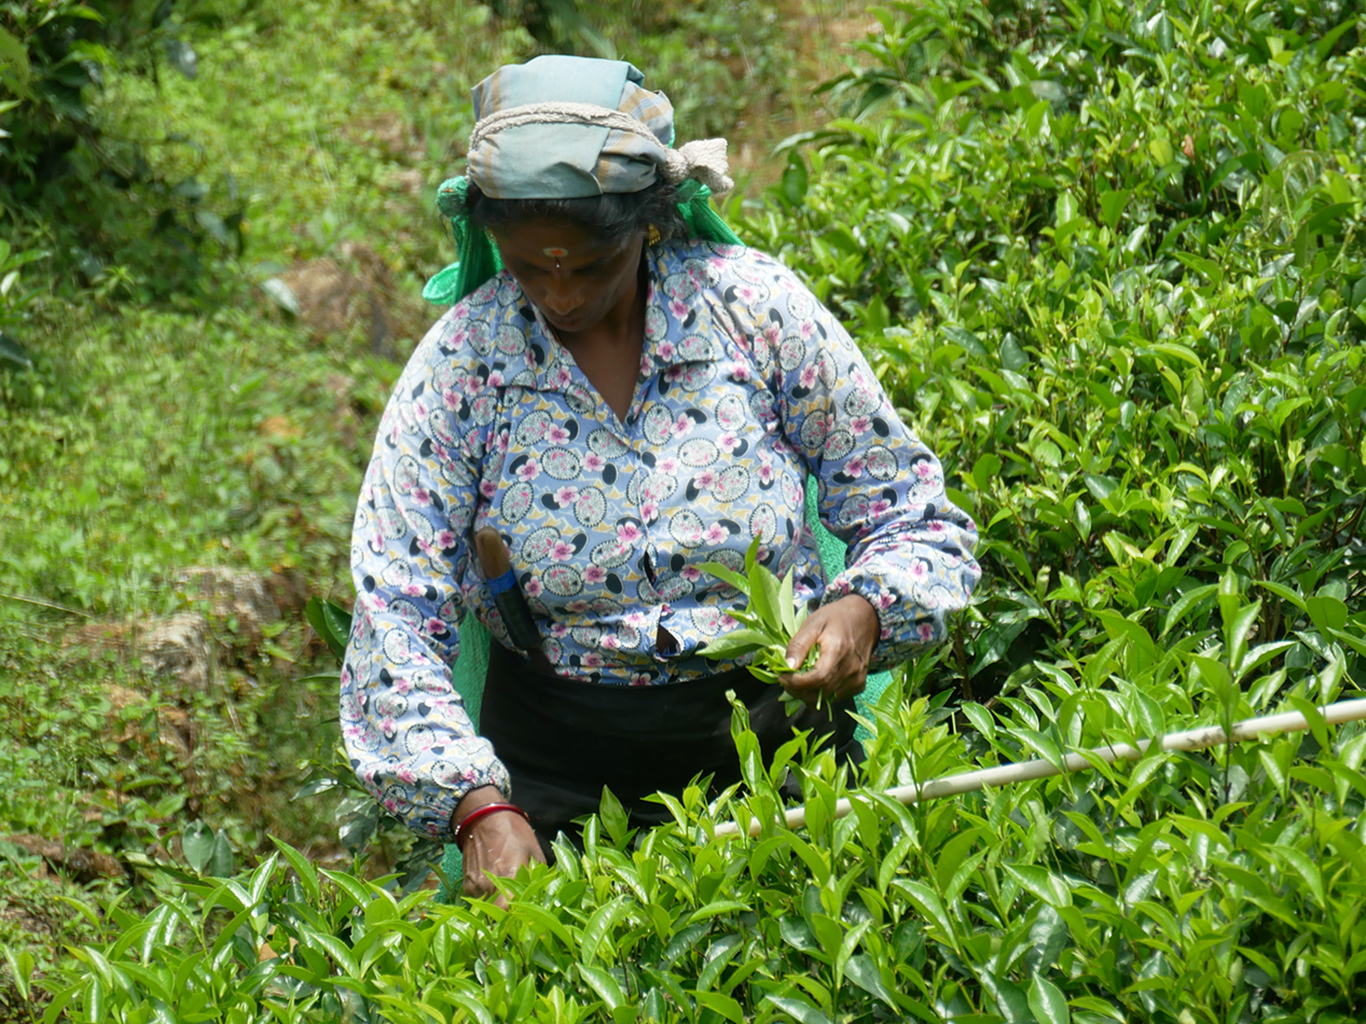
column 497, row 844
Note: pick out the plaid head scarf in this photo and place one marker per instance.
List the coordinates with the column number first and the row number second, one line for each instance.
column 568, row 127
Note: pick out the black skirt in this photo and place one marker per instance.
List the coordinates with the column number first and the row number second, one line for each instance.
column 562, row 740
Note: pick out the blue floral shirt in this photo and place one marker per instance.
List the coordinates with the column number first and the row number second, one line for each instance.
column 747, row 386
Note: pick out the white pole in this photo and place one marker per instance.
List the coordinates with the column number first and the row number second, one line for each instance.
column 1191, row 739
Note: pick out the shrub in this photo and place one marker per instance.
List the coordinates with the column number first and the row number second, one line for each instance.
column 1112, row 265
column 62, row 170
column 1184, row 887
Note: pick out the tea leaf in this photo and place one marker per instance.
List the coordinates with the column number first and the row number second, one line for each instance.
column 798, row 1009
column 718, row 570
column 723, row 1004
column 1326, row 612
column 786, row 608
column 927, row 902
column 606, row 986
column 736, row 642
column 197, row 844
column 1047, row 1002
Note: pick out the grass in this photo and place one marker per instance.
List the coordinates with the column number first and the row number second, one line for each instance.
column 313, row 126
column 177, row 439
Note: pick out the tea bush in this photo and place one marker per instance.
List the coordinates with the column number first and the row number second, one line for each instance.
column 1189, row 887
column 1108, row 259
column 147, row 428
column 1114, row 266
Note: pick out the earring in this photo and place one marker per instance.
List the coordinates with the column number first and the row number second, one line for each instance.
column 654, row 235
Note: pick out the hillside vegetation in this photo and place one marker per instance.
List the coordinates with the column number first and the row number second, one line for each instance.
column 1108, row 259
column 179, row 451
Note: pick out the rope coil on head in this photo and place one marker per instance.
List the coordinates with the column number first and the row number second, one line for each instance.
column 703, row 160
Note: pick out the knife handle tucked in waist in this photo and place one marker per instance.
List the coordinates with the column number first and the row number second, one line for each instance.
column 507, row 595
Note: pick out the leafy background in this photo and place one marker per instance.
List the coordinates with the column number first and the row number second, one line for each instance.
column 1106, row 257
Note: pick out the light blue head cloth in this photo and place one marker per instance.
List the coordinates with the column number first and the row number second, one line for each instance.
column 564, row 128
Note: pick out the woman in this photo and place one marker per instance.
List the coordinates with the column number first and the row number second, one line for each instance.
column 631, row 395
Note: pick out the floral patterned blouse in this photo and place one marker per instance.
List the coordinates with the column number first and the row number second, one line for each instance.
column 747, row 386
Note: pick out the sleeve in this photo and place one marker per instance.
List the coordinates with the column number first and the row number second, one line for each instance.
column 880, row 490
column 405, row 729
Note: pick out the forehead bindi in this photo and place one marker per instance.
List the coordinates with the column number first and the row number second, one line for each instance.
column 539, row 242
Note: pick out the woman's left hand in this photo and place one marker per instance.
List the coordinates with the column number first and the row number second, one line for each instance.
column 846, row 631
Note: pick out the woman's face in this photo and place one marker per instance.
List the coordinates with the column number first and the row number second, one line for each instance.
column 574, row 278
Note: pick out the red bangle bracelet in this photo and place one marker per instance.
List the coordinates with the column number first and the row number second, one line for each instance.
column 483, row 812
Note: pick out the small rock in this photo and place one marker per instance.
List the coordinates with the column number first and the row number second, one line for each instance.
column 175, row 730
column 288, row 588
column 235, row 594
column 334, row 299
column 279, row 429
column 176, row 650
column 182, row 647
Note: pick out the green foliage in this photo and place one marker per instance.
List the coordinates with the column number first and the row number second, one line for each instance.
column 348, row 129
column 64, row 173
column 558, row 26
column 15, row 301
column 1110, row 261
column 770, row 619
column 133, row 450
column 724, row 64
column 331, row 622
column 1195, row 883
column 225, row 454
column 952, row 191
column 207, row 851
column 61, row 911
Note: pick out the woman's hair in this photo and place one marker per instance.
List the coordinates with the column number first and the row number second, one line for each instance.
column 610, row 217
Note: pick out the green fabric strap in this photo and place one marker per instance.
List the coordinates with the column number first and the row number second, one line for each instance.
column 478, row 255
column 703, row 222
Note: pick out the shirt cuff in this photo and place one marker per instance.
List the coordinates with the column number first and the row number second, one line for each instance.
column 430, row 810
column 901, row 628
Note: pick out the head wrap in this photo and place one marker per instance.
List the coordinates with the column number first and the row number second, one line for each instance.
column 569, row 127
